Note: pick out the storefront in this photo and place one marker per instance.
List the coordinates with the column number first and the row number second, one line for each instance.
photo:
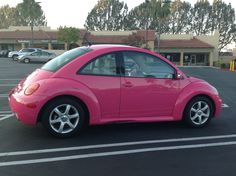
column 192, row 52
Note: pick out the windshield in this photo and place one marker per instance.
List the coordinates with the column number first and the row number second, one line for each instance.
column 58, row 62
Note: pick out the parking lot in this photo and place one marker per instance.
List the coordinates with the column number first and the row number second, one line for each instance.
column 120, row 149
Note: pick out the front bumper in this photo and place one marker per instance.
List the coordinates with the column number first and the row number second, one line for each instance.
column 26, row 108
column 218, row 105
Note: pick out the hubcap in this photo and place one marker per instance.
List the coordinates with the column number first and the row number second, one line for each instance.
column 200, row 112
column 64, row 118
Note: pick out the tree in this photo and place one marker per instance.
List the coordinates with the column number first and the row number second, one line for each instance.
column 8, row 16
column 107, row 15
column 138, row 18
column 160, row 11
column 223, row 19
column 135, row 40
column 151, row 14
column 31, row 14
column 201, row 17
column 68, row 35
column 179, row 17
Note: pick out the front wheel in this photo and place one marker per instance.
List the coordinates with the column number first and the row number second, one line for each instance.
column 14, row 58
column 198, row 112
column 63, row 117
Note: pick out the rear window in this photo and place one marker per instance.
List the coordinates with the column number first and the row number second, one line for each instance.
column 59, row 61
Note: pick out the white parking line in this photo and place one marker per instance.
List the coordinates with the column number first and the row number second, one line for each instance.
column 2, row 115
column 225, row 106
column 114, row 153
column 7, row 85
column 3, row 112
column 13, row 79
column 3, row 95
column 115, row 145
column 6, row 117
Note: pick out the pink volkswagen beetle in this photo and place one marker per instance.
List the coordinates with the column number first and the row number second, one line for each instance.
column 103, row 84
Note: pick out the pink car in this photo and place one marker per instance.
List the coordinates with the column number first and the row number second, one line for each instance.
column 103, row 84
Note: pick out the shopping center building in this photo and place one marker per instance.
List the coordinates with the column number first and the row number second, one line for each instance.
column 183, row 49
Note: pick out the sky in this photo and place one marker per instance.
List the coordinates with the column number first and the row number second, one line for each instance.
column 73, row 13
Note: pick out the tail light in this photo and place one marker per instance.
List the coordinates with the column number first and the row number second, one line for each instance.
column 31, row 89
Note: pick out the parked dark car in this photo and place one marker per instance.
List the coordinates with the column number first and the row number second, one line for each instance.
column 4, row 53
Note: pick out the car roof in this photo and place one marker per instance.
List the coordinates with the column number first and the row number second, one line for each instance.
column 33, row 48
column 110, row 46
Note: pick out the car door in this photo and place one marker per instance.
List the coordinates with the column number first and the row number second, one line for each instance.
column 35, row 56
column 44, row 56
column 102, row 77
column 147, row 86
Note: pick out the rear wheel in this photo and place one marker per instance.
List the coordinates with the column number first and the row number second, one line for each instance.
column 26, row 60
column 198, row 112
column 63, row 117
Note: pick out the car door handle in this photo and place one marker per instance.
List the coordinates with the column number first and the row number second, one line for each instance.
column 128, row 84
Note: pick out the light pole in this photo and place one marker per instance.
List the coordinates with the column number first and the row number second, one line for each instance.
column 147, row 15
column 162, row 15
column 33, row 9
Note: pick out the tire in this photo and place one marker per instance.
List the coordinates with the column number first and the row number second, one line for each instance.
column 14, row 57
column 198, row 112
column 26, row 60
column 60, row 123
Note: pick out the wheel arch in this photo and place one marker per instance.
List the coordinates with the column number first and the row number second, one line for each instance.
column 81, row 102
column 14, row 55
column 180, row 106
column 201, row 95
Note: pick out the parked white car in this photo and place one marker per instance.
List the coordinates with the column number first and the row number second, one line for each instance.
column 15, row 54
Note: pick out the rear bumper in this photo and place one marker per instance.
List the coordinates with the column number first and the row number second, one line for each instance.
column 26, row 108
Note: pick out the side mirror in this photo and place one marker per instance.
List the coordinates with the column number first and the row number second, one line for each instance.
column 178, row 76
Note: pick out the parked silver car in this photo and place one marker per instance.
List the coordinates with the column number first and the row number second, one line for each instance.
column 37, row 56
column 15, row 54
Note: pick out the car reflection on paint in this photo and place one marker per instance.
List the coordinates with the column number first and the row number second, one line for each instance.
column 103, row 84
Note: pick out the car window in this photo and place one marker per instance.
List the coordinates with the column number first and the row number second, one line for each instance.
column 36, row 54
column 65, row 58
column 45, row 54
column 31, row 50
column 27, row 50
column 24, row 50
column 139, row 64
column 103, row 65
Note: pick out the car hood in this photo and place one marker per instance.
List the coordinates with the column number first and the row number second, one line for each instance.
column 193, row 79
column 11, row 52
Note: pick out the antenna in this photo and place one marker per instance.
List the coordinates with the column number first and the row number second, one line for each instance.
column 86, row 38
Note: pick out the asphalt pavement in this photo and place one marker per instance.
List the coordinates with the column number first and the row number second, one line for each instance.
column 120, row 149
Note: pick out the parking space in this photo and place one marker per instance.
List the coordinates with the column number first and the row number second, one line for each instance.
column 120, row 149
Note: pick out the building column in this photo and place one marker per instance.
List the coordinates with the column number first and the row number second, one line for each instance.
column 181, row 58
column 211, row 58
column 151, row 45
column 50, row 46
column 66, row 46
column 22, row 45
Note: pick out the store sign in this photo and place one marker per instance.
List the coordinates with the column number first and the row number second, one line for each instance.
column 54, row 41
column 23, row 41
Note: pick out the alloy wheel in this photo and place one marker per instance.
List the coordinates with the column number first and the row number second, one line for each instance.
column 199, row 112
column 64, row 118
